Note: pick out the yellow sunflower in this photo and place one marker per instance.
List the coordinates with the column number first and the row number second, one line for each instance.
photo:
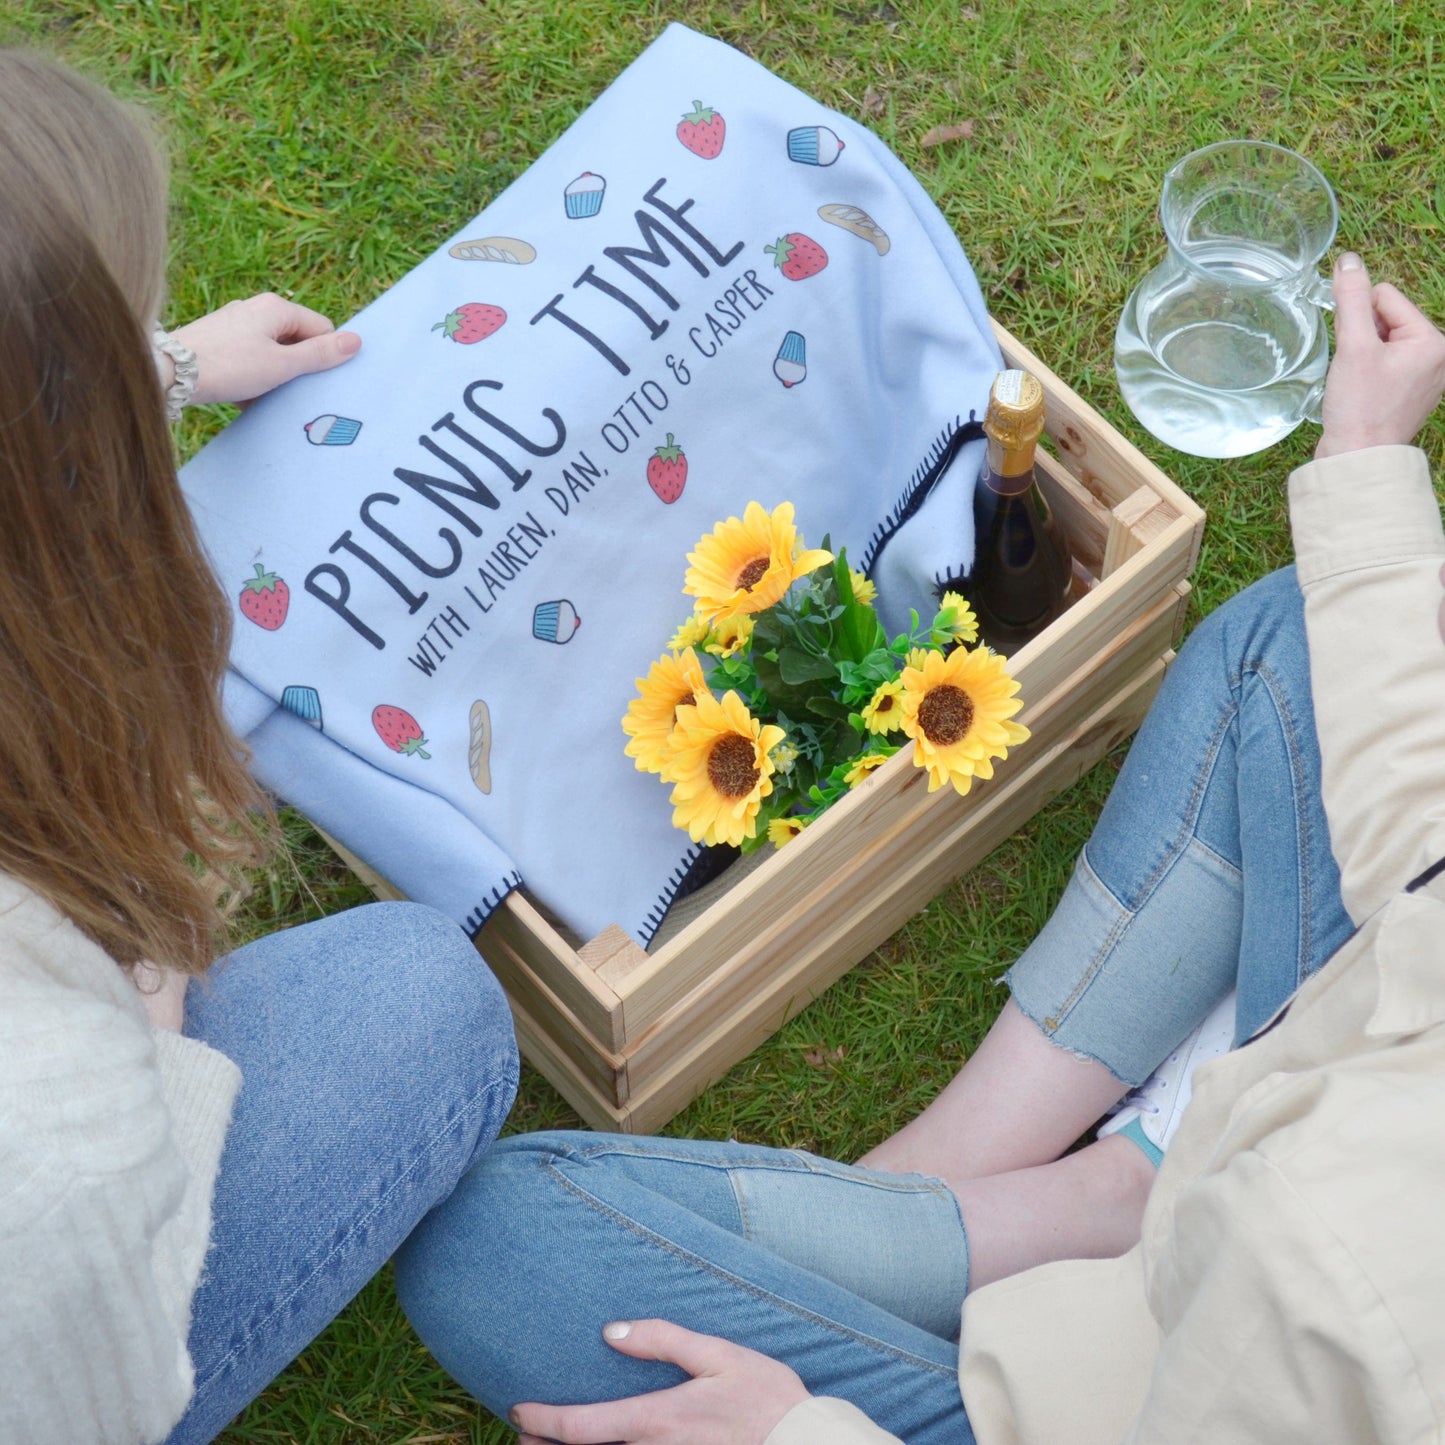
column 690, row 634
column 884, row 713
column 729, row 635
column 863, row 588
column 747, row 565
column 868, row 763
column 957, row 617
column 784, row 830
column 720, row 765
column 675, row 680
column 916, row 656
column 956, row 710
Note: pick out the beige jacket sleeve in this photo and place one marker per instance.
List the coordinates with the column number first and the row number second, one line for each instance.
column 1369, row 546
column 825, row 1421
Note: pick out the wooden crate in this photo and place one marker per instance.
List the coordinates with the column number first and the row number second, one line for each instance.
column 631, row 1036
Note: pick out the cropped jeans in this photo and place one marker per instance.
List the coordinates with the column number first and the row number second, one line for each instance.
column 1209, row 869
column 377, row 1065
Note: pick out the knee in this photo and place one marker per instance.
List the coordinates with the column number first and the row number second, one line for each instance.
column 1261, row 627
column 426, row 959
column 446, row 1009
column 1266, row 617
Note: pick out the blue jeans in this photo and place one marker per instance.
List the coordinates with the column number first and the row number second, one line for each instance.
column 377, row 1065
column 1210, row 867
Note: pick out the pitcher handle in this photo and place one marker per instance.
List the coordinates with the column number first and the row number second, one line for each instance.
column 1318, row 291
column 1312, row 407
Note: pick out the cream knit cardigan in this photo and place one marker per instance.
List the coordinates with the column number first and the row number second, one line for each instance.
column 110, row 1140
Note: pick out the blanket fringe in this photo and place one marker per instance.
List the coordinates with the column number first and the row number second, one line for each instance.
column 680, row 875
column 484, row 910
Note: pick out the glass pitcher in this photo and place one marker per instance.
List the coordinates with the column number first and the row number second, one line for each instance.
column 1222, row 349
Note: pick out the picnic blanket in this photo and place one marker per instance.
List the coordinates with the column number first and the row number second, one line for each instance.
column 451, row 557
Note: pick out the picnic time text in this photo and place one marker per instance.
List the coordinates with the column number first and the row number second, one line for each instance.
column 479, row 452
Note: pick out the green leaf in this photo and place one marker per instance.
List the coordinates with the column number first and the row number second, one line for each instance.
column 799, row 666
column 825, row 706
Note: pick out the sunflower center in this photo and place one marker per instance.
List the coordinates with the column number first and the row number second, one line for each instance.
column 730, row 766
column 752, row 574
column 686, row 700
column 885, row 703
column 945, row 714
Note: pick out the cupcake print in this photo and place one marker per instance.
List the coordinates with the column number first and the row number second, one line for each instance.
column 305, row 702
column 583, row 197
column 332, row 431
column 555, row 621
column 813, row 145
column 790, row 365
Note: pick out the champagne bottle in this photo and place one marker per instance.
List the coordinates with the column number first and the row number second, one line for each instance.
column 1022, row 567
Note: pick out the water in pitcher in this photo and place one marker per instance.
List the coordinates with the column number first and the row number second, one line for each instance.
column 1217, row 356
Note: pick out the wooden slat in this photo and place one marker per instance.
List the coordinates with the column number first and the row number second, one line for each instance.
column 614, row 950
column 826, row 954
column 1138, row 520
column 839, row 864
column 1085, row 520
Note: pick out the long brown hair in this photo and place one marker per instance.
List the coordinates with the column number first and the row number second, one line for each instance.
column 123, row 795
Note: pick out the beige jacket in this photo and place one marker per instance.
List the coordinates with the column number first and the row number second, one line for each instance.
column 1290, row 1282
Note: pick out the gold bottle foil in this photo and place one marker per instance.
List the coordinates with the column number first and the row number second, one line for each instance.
column 1014, row 421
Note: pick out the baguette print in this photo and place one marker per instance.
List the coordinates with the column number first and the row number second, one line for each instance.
column 852, row 218
column 495, row 248
column 479, row 748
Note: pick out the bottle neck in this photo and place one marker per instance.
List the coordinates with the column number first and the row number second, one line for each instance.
column 1009, row 470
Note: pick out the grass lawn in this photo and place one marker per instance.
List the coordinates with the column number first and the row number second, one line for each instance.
column 323, row 147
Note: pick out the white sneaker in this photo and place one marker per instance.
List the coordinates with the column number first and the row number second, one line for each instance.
column 1155, row 1108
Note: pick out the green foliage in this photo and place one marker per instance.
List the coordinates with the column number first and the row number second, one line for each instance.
column 323, row 147
column 807, row 664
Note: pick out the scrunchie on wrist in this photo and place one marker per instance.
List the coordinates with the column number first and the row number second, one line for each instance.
column 188, row 373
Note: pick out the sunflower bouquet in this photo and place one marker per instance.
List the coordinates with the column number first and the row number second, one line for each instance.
column 782, row 691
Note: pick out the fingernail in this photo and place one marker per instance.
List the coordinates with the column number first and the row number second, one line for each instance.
column 1349, row 262
column 349, row 342
column 515, row 1418
column 617, row 1330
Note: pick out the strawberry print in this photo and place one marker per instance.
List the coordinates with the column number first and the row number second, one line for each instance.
column 265, row 599
column 702, row 131
column 797, row 256
column 667, row 471
column 399, row 730
column 471, row 322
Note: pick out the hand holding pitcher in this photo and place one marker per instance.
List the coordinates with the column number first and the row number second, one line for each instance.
column 1389, row 368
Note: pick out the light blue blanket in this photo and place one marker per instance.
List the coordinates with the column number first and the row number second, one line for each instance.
column 475, row 544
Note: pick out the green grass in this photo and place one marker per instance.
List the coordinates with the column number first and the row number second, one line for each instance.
column 323, row 147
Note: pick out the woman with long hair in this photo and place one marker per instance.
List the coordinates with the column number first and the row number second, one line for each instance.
column 201, row 1161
